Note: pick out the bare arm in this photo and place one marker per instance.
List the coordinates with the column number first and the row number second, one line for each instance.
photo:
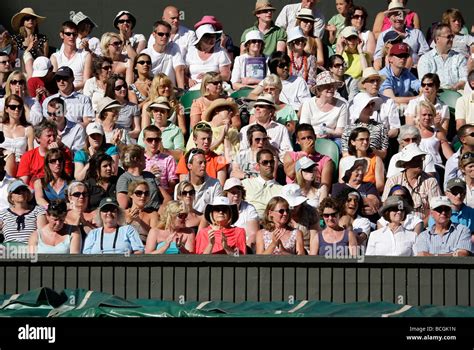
column 281, row 46
column 39, row 195
column 122, row 199
column 225, row 72
column 75, row 246
column 300, row 243
column 379, row 175
column 398, row 100
column 378, row 24
column 179, row 71
column 289, row 166
column 31, row 137
column 251, row 230
column 33, row 242
column 80, row 170
column 327, row 175
column 371, row 43
column 146, row 119
column 314, row 244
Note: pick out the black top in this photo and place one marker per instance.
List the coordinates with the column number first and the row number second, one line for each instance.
column 97, row 192
column 37, row 50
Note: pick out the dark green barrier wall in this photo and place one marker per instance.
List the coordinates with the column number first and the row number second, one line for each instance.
column 414, row 281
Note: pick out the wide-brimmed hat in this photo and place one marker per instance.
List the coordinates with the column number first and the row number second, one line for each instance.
column 206, row 29
column 13, row 186
column 347, row 164
column 79, row 17
column 306, row 14
column 304, row 163
column 263, row 5
column 325, row 78
column 232, row 182
column 265, row 100
column 293, row 195
column 160, row 102
column 295, row 33
column 349, row 31
column 213, row 21
column 27, row 11
column 395, row 202
column 396, row 6
column 253, row 35
column 124, row 12
column 370, row 72
column 94, row 128
column 108, row 201
column 220, row 102
column 41, row 66
column 440, row 201
column 221, row 201
column 408, row 153
column 107, row 103
column 361, row 100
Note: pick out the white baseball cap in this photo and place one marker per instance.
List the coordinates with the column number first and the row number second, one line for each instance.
column 293, row 195
column 94, row 128
column 41, row 67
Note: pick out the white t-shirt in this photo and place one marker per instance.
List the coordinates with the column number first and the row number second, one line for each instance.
column 337, row 117
column 440, row 107
column 92, row 91
column 247, row 212
column 167, row 61
column 197, row 66
column 184, row 37
column 77, row 63
column 294, row 92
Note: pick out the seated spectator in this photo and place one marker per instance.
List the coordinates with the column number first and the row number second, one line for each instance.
column 311, row 187
column 53, row 186
column 287, row 18
column 94, row 88
column 336, row 23
column 393, row 239
column 95, row 143
column 70, row 134
column 401, row 85
column 221, row 237
column 465, row 135
column 107, row 113
column 112, row 236
column 78, row 213
column 129, row 113
column 5, row 68
column 137, row 216
column 445, row 238
column 382, row 20
column 430, row 85
column 186, row 193
column 31, row 165
column 334, row 240
column 357, row 18
column 56, row 237
column 302, row 64
column 21, row 219
column 16, row 85
column 347, row 87
column 133, row 43
column 140, row 89
column 303, row 216
column 277, row 237
column 162, row 165
column 100, row 180
column 248, row 217
column 305, row 20
column 262, row 188
column 462, row 41
column 422, row 186
column 112, row 46
column 42, row 84
column 250, row 68
column 171, row 236
column 5, row 180
column 390, row 38
column 84, row 40
column 449, row 65
column 466, row 165
column 349, row 46
column 412, row 222
column 133, row 162
column 464, row 111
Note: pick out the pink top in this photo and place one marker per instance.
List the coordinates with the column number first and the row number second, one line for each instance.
column 408, row 21
column 235, row 239
column 320, row 160
column 167, row 166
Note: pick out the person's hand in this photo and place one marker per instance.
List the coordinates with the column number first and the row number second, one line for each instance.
column 155, row 170
column 59, row 141
column 227, row 124
column 118, row 133
column 437, row 121
column 53, row 145
column 331, row 28
column 341, row 44
column 171, row 238
column 192, row 82
column 181, row 109
column 132, row 215
column 345, row 222
column 368, row 208
column 360, row 45
column 224, row 242
column 277, row 235
column 307, row 146
column 30, row 41
column 200, row 75
column 212, row 237
column 238, row 173
column 85, row 44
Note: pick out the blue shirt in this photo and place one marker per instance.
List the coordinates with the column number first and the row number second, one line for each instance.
column 405, row 85
column 457, row 237
column 127, row 240
column 82, row 157
column 464, row 217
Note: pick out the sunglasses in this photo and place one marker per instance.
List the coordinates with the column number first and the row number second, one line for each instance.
column 58, row 79
column 144, row 62
column 402, row 56
column 202, row 126
column 328, row 215
column 139, row 193
column 29, row 18
column 372, row 81
column 260, row 139
column 182, row 216
column 221, row 208
column 79, row 194
column 163, row 34
column 53, row 114
column 107, row 68
column 116, row 43
column 153, row 139
column 215, row 82
column 427, row 84
column 55, row 160
column 122, row 21
column 283, row 65
column 264, row 11
column 267, row 162
column 411, row 139
column 70, row 33
column 442, row 209
column 15, row 107
column 188, row 193
column 339, row 65
column 457, row 192
column 358, row 17
column 16, row 82
column 21, row 190
column 120, row 87
column 254, row 41
column 109, row 209
column 299, row 41
column 282, row 211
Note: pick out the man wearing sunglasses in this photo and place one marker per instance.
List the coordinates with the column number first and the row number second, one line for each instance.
column 5, row 70
column 450, row 65
column 165, row 55
column 444, row 238
column 78, row 107
column 287, row 17
column 465, row 134
column 79, row 60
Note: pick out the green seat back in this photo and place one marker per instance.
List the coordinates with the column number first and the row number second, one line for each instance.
column 329, row 148
column 244, row 92
column 188, row 98
column 449, row 97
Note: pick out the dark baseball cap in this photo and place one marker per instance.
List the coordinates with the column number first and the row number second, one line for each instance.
column 392, row 36
column 64, row 71
column 456, row 182
column 400, row 49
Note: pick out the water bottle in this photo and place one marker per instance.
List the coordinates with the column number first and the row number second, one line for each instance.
column 323, row 129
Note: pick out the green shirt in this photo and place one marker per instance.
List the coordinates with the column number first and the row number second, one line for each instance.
column 286, row 114
column 171, row 136
column 339, row 21
column 271, row 38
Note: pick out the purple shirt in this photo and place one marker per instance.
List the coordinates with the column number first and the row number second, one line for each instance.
column 167, row 167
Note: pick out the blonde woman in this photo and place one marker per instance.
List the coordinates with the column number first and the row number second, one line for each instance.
column 185, row 192
column 16, row 85
column 111, row 46
column 172, row 236
column 305, row 170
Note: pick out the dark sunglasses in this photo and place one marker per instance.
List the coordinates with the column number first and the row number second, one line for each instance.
column 59, row 78
column 153, row 139
column 254, row 41
column 139, row 193
column 28, row 18
column 339, row 65
column 372, row 81
column 457, row 192
column 358, row 17
column 394, row 209
column 122, row 21
column 215, row 82
column 410, row 139
column 282, row 211
column 427, row 84
column 53, row 114
column 442, row 209
column 120, row 87
column 283, row 65
column 52, row 161
column 299, row 41
column 144, row 62
column 267, row 162
column 202, row 126
column 190, row 193
column 109, row 209
column 15, row 107
column 163, row 34
column 70, row 33
column 402, row 55
column 221, row 208
column 116, row 43
column 79, row 194
column 107, row 67
column 328, row 215
column 182, row 215
column 264, row 11
column 16, row 82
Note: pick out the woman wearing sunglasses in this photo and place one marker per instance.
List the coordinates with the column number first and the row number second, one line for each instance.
column 171, row 236
column 334, row 240
column 111, row 46
column 142, row 220
column 133, row 43
column 16, row 85
column 142, row 77
column 302, row 64
column 348, row 88
column 357, row 18
column 466, row 165
column 186, row 193
column 56, row 237
column 277, row 237
column 54, row 183
column 314, row 46
column 94, row 87
column 78, row 214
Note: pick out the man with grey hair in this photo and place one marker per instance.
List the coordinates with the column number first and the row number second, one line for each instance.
column 409, row 134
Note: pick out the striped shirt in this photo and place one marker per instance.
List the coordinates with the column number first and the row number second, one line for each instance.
column 378, row 134
column 455, row 238
column 18, row 228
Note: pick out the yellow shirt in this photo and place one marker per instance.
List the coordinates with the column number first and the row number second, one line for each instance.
column 354, row 68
